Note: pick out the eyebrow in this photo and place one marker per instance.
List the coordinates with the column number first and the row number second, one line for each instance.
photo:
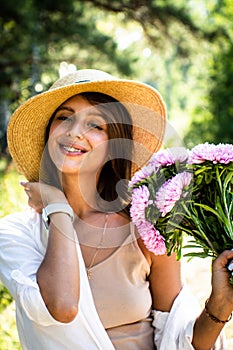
column 90, row 112
column 64, row 108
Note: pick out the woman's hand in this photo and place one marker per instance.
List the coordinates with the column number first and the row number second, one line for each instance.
column 222, row 290
column 208, row 325
column 40, row 195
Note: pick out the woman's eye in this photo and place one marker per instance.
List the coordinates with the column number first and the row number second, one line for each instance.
column 95, row 126
column 63, row 118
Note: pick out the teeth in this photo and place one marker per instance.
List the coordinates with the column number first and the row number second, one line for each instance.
column 71, row 149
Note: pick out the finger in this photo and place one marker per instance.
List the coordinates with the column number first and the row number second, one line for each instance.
column 226, row 255
column 224, row 260
column 230, row 265
column 31, row 204
column 27, row 190
column 23, row 183
column 26, row 185
column 36, row 206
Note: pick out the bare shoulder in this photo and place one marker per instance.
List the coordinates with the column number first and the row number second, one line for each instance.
column 164, row 276
column 156, row 260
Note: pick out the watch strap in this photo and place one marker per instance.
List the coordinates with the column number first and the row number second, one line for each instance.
column 56, row 208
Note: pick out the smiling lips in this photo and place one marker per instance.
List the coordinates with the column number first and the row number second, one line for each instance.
column 73, row 149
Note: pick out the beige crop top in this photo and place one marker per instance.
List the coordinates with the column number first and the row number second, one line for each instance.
column 122, row 297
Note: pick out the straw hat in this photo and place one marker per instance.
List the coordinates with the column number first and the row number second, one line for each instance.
column 26, row 129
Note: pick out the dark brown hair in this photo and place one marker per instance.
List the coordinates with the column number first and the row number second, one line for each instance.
column 111, row 187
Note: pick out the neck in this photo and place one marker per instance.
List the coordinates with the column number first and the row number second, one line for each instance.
column 80, row 192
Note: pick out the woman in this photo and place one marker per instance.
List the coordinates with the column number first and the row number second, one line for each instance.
column 80, row 275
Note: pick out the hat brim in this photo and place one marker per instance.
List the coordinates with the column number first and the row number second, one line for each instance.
column 26, row 129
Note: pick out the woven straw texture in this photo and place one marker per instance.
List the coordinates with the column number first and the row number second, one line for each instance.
column 26, row 130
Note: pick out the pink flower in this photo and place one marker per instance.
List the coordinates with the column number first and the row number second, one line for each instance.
column 141, row 175
column 140, row 200
column 171, row 191
column 161, row 188
column 201, row 153
column 221, row 153
column 168, row 156
column 224, row 153
column 152, row 239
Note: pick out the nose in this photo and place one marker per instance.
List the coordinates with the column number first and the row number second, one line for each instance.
column 76, row 130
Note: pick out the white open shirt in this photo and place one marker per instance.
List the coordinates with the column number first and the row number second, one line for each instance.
column 23, row 241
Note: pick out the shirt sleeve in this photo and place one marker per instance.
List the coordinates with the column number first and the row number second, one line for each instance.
column 174, row 329
column 21, row 254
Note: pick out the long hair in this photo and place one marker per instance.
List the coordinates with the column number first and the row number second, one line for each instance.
column 112, row 187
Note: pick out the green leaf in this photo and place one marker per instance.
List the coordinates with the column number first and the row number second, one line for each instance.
column 207, row 208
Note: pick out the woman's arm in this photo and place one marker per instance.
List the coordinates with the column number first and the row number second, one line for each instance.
column 220, row 305
column 58, row 274
column 165, row 281
column 166, row 284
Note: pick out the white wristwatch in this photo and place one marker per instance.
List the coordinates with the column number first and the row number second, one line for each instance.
column 56, row 208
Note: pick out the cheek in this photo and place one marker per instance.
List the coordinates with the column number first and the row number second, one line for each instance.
column 55, row 129
column 96, row 139
column 53, row 147
column 51, row 139
column 97, row 135
column 100, row 150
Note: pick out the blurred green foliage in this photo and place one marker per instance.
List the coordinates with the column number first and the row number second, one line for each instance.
column 183, row 48
column 9, row 339
column 212, row 116
column 12, row 198
column 5, row 297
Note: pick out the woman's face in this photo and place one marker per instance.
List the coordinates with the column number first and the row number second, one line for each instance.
column 78, row 137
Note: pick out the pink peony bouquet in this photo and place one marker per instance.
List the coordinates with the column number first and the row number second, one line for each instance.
column 185, row 192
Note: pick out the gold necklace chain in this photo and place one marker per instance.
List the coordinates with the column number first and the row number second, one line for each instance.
column 97, row 248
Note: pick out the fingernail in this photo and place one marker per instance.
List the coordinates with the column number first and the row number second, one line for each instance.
column 230, row 266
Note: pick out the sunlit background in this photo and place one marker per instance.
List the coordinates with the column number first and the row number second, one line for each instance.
column 183, row 48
